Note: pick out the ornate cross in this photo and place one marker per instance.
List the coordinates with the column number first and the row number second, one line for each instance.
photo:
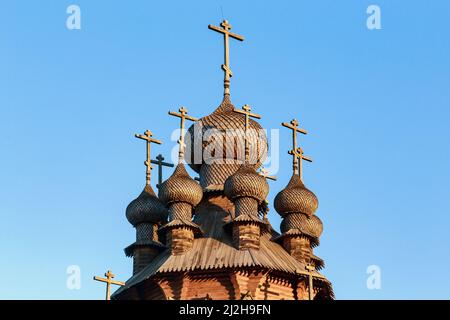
column 147, row 136
column 265, row 173
column 246, row 111
column 301, row 157
column 109, row 281
column 293, row 125
column 310, row 269
column 183, row 116
column 160, row 163
column 225, row 30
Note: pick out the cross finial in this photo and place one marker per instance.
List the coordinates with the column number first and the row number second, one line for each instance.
column 109, row 281
column 160, row 163
column 246, row 111
column 225, row 30
column 300, row 157
column 183, row 116
column 293, row 125
column 310, row 269
column 147, row 136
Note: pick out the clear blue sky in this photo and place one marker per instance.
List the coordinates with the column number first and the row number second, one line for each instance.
column 376, row 104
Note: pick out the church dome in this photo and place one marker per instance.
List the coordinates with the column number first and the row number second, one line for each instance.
column 316, row 226
column 246, row 182
column 180, row 187
column 296, row 198
column 311, row 226
column 146, row 208
column 224, row 130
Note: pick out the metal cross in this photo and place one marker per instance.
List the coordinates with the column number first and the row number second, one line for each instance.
column 225, row 30
column 147, row 136
column 109, row 281
column 183, row 116
column 246, row 111
column 300, row 157
column 293, row 125
column 160, row 163
column 310, row 269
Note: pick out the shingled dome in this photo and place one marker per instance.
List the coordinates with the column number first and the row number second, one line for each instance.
column 180, row 187
column 246, row 182
column 296, row 198
column 311, row 226
column 227, row 126
column 146, row 208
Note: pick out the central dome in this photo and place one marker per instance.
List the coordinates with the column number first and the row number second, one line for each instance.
column 215, row 145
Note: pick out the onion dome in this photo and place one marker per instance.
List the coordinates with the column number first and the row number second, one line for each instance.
column 228, row 126
column 180, row 187
column 246, row 182
column 316, row 226
column 146, row 208
column 311, row 226
column 296, row 198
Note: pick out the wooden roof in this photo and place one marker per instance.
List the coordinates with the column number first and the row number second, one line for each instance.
column 215, row 250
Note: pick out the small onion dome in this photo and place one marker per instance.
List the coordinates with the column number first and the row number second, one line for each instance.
column 311, row 226
column 296, row 198
column 316, row 226
column 180, row 187
column 146, row 208
column 246, row 182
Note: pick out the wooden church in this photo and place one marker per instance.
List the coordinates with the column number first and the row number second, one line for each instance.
column 211, row 239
